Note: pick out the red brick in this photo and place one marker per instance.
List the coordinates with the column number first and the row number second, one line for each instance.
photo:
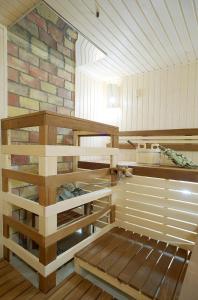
column 47, row 39
column 38, row 73
column 56, row 80
column 12, row 49
column 19, row 159
column 35, row 18
column 64, row 93
column 48, row 67
column 13, row 99
column 56, row 33
column 63, row 50
column 18, row 64
column 13, row 75
column 34, row 137
column 30, row 81
column 63, row 111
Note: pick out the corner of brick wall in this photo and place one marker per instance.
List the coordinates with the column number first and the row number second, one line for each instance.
column 41, row 76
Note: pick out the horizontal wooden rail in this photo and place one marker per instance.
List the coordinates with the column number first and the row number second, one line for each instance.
column 56, row 120
column 175, row 146
column 60, row 233
column 161, row 132
column 28, row 231
column 167, row 173
column 23, row 176
column 87, row 176
column 57, row 150
column 73, row 227
column 174, row 173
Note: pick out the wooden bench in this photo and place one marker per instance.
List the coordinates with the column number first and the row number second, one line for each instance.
column 142, row 267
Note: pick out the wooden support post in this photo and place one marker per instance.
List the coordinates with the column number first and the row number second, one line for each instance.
column 6, row 234
column 47, row 167
column 47, row 255
column 76, row 142
column 47, row 135
column 4, row 137
column 112, row 214
column 87, row 211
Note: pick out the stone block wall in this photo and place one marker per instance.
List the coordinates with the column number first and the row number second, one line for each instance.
column 41, row 76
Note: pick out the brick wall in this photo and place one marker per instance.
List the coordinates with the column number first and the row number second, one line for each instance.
column 41, row 75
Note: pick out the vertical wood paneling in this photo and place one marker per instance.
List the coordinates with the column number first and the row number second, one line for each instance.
column 160, row 99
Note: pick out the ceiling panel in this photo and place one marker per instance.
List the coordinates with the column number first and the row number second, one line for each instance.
column 136, row 35
column 12, row 10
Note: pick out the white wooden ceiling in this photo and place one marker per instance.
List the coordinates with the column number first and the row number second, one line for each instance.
column 12, row 10
column 136, row 35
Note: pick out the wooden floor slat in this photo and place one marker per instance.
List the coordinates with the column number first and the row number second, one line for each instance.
column 138, row 280
column 169, row 284
column 14, row 286
column 150, row 267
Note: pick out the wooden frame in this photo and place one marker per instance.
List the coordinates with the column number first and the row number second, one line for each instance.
column 48, row 181
column 80, row 264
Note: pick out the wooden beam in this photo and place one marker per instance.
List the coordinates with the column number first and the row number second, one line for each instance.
column 28, row 231
column 166, row 172
column 74, row 226
column 175, row 146
column 57, row 120
column 87, row 176
column 23, row 176
column 161, row 132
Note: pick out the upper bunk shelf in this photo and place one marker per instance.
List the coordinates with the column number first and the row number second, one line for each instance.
column 48, row 122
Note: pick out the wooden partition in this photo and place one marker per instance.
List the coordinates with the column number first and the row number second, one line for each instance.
column 47, row 180
column 160, row 208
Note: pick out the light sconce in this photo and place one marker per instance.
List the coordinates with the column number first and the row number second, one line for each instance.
column 113, row 96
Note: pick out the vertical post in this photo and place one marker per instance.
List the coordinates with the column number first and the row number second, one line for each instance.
column 76, row 142
column 47, row 225
column 47, row 135
column 114, row 159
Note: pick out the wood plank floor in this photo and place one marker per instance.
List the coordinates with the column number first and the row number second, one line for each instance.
column 14, row 286
column 152, row 267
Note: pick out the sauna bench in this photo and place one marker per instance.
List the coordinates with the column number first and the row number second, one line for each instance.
column 141, row 267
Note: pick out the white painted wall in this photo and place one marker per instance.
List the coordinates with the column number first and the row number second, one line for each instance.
column 3, row 103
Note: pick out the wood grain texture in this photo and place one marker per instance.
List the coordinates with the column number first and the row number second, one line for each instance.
column 150, row 267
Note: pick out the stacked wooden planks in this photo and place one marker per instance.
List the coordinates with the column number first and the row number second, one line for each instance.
column 153, row 268
column 14, row 286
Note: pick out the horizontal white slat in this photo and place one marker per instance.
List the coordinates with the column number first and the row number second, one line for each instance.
column 138, row 213
column 181, row 224
column 142, row 206
column 26, row 256
column 140, row 229
column 147, row 190
column 182, row 215
column 76, row 201
column 182, row 196
column 69, row 254
column 139, row 221
column 179, row 205
column 57, row 150
column 183, row 186
column 23, row 203
column 179, row 233
column 157, row 235
column 149, row 199
column 148, row 181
